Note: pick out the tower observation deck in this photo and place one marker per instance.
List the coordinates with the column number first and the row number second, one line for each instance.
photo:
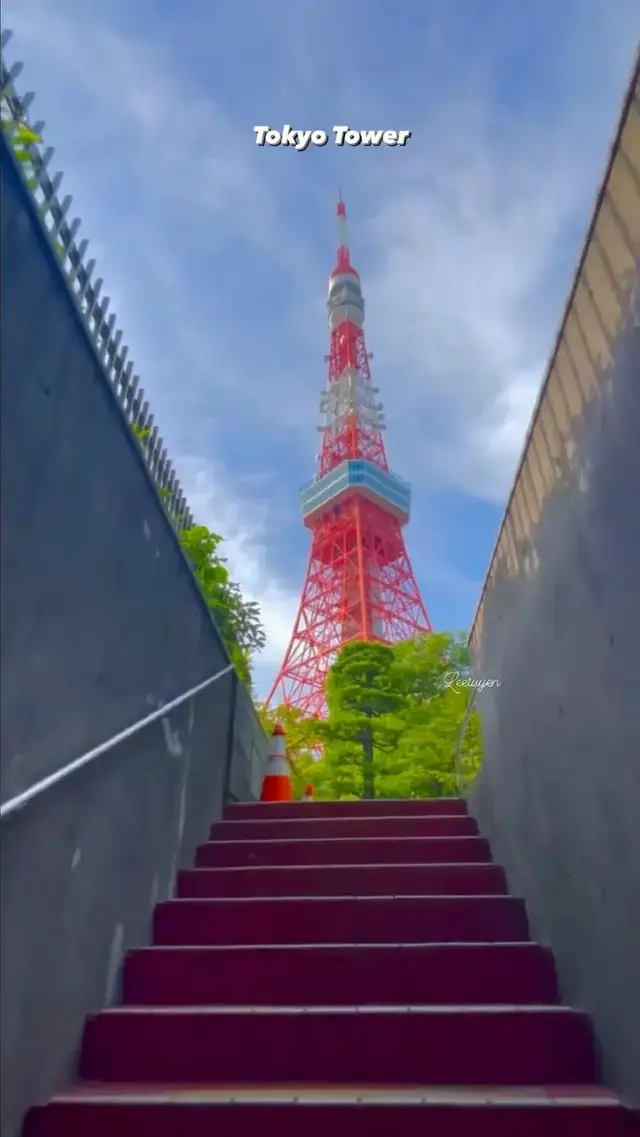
column 359, row 583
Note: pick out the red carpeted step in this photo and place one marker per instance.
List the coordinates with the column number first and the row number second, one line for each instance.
column 252, row 811
column 455, row 974
column 345, row 851
column 344, row 880
column 326, row 828
column 447, row 1113
column 343, row 1009
column 480, row 1046
column 352, row 920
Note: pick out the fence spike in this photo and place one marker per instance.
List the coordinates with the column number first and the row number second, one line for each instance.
column 51, row 188
column 129, row 394
column 122, row 359
column 132, row 396
column 76, row 256
column 113, row 348
column 13, row 72
column 127, row 378
column 162, row 464
column 150, row 435
column 58, row 214
column 100, row 318
column 110, row 346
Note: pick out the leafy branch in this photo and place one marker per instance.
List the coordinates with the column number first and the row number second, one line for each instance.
column 238, row 620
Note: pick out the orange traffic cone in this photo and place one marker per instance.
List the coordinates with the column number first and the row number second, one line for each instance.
column 277, row 779
column 308, row 793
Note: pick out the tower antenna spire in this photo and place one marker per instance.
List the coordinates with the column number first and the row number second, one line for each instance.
column 359, row 583
column 344, row 257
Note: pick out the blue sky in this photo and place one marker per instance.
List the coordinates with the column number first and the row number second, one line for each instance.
column 216, row 252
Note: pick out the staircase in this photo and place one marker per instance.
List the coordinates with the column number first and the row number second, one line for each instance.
column 339, row 968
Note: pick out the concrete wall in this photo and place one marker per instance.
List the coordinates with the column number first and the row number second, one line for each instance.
column 249, row 752
column 559, row 626
column 101, row 623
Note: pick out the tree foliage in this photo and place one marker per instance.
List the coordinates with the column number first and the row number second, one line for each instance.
column 21, row 138
column 394, row 718
column 238, row 620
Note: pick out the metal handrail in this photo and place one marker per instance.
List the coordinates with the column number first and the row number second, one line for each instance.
column 16, row 803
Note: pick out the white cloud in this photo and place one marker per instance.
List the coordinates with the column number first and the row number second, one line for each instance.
column 474, row 241
column 245, row 524
column 183, row 155
column 458, row 239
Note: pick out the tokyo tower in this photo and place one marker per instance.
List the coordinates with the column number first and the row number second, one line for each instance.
column 359, row 583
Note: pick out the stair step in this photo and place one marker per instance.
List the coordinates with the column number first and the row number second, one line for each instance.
column 252, row 810
column 171, row 1112
column 345, row 850
column 363, row 962
column 326, row 828
column 455, row 974
column 351, row 920
column 344, row 880
column 437, row 1045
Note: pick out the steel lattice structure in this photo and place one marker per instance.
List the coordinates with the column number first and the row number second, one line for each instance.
column 359, row 583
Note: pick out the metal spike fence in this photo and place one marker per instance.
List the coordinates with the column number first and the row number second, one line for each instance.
column 87, row 293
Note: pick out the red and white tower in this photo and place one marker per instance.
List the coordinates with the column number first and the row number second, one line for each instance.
column 359, row 583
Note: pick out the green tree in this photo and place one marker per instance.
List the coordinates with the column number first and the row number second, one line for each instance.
column 363, row 704
column 395, row 716
column 434, row 671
